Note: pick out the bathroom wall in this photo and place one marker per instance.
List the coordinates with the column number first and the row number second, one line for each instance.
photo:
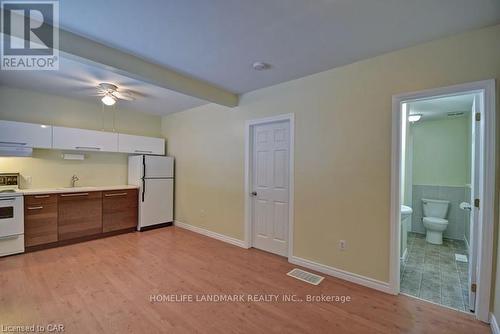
column 441, row 170
column 440, row 152
column 46, row 167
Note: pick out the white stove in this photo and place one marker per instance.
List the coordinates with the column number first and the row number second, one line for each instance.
column 11, row 215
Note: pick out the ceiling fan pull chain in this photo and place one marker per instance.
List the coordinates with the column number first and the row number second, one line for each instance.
column 114, row 117
column 102, row 115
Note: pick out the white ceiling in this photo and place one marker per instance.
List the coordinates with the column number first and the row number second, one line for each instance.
column 439, row 108
column 78, row 80
column 218, row 40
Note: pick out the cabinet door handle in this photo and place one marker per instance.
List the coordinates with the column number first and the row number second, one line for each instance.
column 142, row 151
column 42, row 196
column 115, row 194
column 35, row 207
column 13, row 143
column 72, row 195
column 87, row 148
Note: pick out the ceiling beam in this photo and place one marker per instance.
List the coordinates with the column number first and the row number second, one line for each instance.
column 86, row 50
column 128, row 65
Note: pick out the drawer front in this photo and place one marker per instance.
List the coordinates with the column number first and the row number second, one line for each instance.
column 42, row 199
column 120, row 209
column 12, row 245
column 79, row 215
column 40, row 220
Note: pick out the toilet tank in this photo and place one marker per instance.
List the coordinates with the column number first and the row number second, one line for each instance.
column 435, row 208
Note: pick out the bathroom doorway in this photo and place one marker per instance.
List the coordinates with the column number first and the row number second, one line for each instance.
column 442, row 196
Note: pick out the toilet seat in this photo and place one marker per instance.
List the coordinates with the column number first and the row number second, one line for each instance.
column 434, row 220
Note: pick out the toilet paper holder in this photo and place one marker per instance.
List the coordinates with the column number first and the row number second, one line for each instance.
column 465, row 206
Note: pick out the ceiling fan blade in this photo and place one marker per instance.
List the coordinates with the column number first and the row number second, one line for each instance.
column 123, row 96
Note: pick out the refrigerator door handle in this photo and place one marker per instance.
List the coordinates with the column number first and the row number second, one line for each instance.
column 143, row 176
column 143, row 188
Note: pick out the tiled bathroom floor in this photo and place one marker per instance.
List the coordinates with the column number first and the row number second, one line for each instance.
column 431, row 272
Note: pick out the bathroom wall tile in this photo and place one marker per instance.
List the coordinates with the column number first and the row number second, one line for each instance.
column 417, row 225
column 430, row 192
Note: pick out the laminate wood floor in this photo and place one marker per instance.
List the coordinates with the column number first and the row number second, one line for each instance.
column 105, row 286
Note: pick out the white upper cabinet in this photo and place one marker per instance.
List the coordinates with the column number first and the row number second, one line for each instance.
column 25, row 134
column 84, row 140
column 141, row 144
column 30, row 135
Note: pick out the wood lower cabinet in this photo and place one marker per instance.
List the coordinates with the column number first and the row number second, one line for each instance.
column 40, row 220
column 59, row 219
column 79, row 215
column 119, row 210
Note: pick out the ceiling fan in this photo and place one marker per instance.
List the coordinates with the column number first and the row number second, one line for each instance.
column 111, row 93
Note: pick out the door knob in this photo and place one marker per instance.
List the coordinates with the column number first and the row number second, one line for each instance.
column 253, row 193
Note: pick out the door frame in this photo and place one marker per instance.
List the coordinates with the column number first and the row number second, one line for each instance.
column 486, row 217
column 249, row 125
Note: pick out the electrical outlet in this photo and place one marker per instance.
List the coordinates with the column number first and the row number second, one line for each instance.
column 29, row 180
column 342, row 245
column 203, row 213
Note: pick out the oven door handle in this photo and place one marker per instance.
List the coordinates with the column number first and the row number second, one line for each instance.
column 7, row 199
column 9, row 237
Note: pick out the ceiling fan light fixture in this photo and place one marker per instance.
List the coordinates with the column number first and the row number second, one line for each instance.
column 108, row 100
column 414, row 118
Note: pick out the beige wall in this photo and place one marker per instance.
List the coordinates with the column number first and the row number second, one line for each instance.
column 46, row 167
column 342, row 148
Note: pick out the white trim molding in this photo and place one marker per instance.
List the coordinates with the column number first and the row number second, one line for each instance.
column 485, row 234
column 248, row 177
column 494, row 324
column 342, row 274
column 208, row 233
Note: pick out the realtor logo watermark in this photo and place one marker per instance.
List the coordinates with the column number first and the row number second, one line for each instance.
column 30, row 35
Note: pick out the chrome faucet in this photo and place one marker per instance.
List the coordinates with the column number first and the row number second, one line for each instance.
column 74, row 178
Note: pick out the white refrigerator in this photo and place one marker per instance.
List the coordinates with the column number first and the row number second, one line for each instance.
column 155, row 177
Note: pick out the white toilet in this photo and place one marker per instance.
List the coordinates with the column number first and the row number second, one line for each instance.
column 434, row 219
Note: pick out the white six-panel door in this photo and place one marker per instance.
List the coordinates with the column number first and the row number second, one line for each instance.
column 270, row 188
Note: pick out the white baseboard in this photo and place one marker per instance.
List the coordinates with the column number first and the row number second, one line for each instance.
column 342, row 274
column 208, row 233
column 494, row 324
column 338, row 273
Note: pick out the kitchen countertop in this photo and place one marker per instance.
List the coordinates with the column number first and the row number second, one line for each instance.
column 61, row 190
